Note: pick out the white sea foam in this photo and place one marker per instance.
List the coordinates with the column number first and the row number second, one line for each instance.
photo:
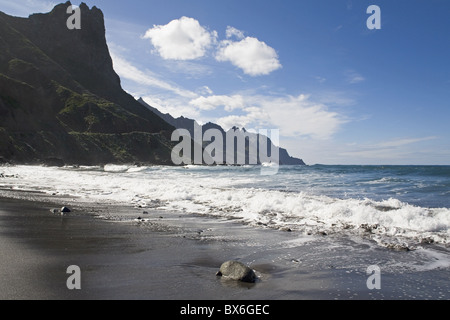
column 217, row 192
column 434, row 260
column 116, row 168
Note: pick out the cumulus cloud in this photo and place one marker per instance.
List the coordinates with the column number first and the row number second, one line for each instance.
column 234, row 120
column 295, row 115
column 252, row 116
column 181, row 39
column 185, row 39
column 300, row 116
column 251, row 55
column 233, row 32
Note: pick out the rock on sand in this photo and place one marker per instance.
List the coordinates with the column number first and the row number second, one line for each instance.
column 238, row 271
column 62, row 210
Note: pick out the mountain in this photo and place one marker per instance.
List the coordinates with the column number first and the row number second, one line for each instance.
column 190, row 124
column 61, row 100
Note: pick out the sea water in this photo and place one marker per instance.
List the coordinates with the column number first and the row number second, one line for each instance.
column 411, row 203
column 343, row 218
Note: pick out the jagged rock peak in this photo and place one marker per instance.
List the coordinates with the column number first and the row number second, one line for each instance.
column 61, row 100
column 62, row 7
column 83, row 52
column 59, row 13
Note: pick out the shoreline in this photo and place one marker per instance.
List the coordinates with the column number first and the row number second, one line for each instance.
column 166, row 256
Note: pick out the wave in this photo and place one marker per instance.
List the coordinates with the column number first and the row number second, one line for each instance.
column 217, row 192
column 116, row 168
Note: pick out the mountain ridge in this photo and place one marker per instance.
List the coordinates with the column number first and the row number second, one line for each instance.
column 60, row 97
column 61, row 101
column 189, row 124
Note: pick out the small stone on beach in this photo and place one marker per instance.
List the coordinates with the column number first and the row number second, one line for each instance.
column 238, row 271
column 62, row 210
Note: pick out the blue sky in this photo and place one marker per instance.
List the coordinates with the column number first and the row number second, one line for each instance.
column 339, row 92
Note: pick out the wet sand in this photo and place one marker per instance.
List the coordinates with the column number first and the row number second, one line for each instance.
column 173, row 257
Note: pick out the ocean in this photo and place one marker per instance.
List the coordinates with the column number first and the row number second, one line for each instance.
column 321, row 226
column 394, row 206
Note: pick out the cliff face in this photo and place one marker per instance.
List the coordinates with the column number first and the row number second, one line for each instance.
column 61, row 98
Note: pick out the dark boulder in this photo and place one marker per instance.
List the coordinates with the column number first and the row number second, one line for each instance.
column 235, row 270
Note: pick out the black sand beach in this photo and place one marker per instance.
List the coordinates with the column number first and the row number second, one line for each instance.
column 168, row 257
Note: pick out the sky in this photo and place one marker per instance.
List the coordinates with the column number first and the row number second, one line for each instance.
column 338, row 91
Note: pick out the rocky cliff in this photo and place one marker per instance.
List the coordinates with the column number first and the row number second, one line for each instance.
column 60, row 97
column 61, row 102
column 189, row 124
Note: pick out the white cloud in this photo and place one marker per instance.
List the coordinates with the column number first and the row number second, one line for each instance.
column 205, row 90
column 185, row 39
column 233, row 32
column 27, row 7
column 128, row 71
column 253, row 118
column 230, row 121
column 354, row 77
column 160, row 94
column 254, row 57
column 299, row 116
column 181, row 39
column 174, row 106
column 230, row 103
column 295, row 116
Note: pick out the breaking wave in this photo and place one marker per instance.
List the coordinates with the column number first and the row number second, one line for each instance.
column 240, row 193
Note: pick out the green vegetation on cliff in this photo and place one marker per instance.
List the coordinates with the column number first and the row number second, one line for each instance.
column 60, row 97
